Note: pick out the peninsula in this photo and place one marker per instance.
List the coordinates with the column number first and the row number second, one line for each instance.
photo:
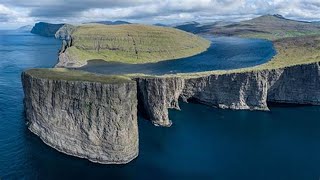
column 97, row 114
column 130, row 43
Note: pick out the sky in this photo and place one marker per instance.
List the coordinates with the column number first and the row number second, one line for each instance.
column 16, row 13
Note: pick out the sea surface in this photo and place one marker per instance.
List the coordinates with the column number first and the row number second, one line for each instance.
column 203, row 143
column 224, row 53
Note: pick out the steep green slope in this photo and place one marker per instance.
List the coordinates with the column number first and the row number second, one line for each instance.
column 132, row 43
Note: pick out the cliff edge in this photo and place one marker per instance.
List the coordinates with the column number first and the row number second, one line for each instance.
column 70, row 112
column 252, row 90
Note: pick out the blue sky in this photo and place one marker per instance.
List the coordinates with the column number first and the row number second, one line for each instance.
column 15, row 13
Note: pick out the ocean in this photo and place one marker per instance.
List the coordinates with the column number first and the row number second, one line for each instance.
column 203, row 142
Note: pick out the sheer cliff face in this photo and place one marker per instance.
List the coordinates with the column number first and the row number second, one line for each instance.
column 91, row 120
column 231, row 91
column 156, row 95
column 298, row 84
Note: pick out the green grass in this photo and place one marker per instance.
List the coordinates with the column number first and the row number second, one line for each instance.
column 294, row 51
column 276, row 35
column 133, row 43
column 75, row 75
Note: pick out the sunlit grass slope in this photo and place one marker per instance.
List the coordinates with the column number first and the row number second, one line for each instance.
column 133, row 43
column 75, row 75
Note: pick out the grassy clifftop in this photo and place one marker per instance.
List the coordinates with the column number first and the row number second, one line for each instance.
column 75, row 75
column 133, row 43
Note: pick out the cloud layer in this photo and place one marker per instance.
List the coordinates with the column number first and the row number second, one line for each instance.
column 151, row 11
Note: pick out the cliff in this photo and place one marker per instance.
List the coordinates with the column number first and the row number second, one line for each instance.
column 46, row 29
column 64, row 32
column 250, row 90
column 95, row 117
column 82, row 114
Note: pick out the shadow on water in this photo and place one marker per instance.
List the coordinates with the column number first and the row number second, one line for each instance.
column 286, row 105
column 223, row 54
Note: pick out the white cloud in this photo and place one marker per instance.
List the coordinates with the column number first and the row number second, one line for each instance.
column 10, row 17
column 153, row 11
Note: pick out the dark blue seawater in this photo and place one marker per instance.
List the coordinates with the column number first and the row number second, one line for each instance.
column 224, row 53
column 204, row 142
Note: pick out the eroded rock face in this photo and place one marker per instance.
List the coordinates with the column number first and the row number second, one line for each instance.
column 90, row 120
column 298, row 84
column 229, row 91
column 65, row 60
column 156, row 95
column 64, row 33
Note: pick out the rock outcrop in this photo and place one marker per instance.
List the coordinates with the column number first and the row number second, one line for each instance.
column 67, row 60
column 92, row 120
column 64, row 33
column 156, row 95
column 46, row 29
column 299, row 84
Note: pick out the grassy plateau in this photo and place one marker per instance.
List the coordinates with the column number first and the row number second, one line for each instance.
column 133, row 43
column 75, row 75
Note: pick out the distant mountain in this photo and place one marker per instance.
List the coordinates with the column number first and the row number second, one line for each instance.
column 267, row 26
column 194, row 27
column 112, row 22
column 46, row 29
column 163, row 25
column 26, row 28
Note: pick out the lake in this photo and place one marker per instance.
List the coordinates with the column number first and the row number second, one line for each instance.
column 203, row 142
column 223, row 54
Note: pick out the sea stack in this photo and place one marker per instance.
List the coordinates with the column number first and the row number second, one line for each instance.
column 82, row 114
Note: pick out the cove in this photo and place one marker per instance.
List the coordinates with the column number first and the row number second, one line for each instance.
column 223, row 54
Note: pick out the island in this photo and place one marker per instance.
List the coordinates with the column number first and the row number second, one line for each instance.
column 88, row 110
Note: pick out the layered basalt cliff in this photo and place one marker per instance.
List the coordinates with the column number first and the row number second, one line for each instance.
column 92, row 120
column 299, row 84
column 156, row 95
